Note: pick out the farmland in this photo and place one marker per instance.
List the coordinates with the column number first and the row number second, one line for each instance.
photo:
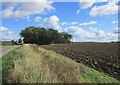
column 33, row 64
column 100, row 56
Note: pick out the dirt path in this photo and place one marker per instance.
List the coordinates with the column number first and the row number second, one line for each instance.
column 5, row 50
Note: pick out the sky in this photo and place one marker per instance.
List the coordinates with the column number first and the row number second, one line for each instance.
column 85, row 21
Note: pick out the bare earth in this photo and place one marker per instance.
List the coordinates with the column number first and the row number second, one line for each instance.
column 103, row 57
column 5, row 50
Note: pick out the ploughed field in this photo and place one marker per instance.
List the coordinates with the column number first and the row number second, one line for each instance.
column 103, row 57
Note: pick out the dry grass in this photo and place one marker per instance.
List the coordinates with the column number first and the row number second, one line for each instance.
column 41, row 66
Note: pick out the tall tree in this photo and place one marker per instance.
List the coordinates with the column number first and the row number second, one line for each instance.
column 39, row 35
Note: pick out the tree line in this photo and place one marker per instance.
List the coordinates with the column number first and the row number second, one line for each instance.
column 38, row 35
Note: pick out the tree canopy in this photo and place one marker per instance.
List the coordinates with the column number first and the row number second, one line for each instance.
column 38, row 35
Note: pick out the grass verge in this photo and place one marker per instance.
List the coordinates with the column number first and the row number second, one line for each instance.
column 32, row 64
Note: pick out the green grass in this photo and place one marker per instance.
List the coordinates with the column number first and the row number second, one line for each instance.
column 31, row 64
column 8, row 61
column 0, row 71
column 7, row 46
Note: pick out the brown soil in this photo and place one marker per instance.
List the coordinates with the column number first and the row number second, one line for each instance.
column 103, row 57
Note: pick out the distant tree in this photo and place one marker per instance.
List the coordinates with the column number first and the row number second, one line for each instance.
column 40, row 35
column 20, row 40
column 28, row 34
column 118, row 41
column 66, row 37
column 13, row 42
column 53, row 35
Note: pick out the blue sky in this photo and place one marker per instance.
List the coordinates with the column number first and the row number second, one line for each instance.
column 86, row 21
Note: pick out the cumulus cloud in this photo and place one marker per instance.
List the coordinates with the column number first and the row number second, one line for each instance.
column 53, row 21
column 93, row 34
column 114, row 22
column 104, row 36
column 86, row 4
column 64, row 23
column 117, row 30
column 88, row 23
column 38, row 19
column 24, row 9
column 6, row 34
column 92, row 28
column 3, row 29
column 81, row 33
column 109, row 8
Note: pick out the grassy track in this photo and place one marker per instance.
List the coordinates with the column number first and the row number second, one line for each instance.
column 32, row 64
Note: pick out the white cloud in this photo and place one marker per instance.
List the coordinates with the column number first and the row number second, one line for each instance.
column 114, row 22
column 64, row 23
column 92, row 28
column 109, row 8
column 68, row 24
column 116, row 30
column 22, row 0
column 3, row 29
column 86, row 4
column 79, row 34
column 6, row 34
column 25, row 9
column 73, row 23
column 38, row 19
column 104, row 36
column 28, row 19
column 78, row 11
column 53, row 21
column 88, row 23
